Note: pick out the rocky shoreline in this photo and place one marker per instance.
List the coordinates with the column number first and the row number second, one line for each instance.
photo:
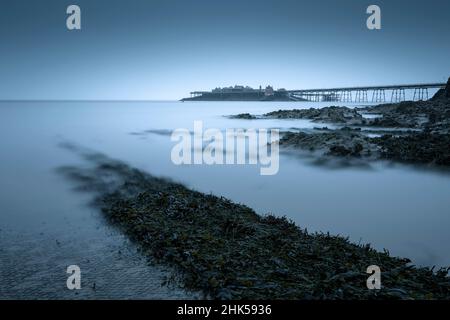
column 412, row 132
column 227, row 251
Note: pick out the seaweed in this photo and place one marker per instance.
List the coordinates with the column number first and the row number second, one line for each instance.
column 227, row 251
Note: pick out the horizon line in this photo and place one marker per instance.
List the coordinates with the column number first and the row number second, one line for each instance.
column 89, row 100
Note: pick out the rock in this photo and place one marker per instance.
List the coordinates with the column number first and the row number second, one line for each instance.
column 424, row 147
column 331, row 114
column 341, row 143
column 228, row 251
column 339, row 151
column 246, row 116
column 387, row 121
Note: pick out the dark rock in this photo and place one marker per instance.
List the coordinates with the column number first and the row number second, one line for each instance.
column 339, row 151
column 328, row 114
column 228, row 251
column 387, row 121
column 246, row 116
column 417, row 148
column 340, row 143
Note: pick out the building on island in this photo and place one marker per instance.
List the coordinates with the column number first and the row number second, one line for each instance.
column 268, row 91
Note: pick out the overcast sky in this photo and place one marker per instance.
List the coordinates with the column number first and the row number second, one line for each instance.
column 163, row 49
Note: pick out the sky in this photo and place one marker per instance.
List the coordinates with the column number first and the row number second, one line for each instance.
column 163, row 49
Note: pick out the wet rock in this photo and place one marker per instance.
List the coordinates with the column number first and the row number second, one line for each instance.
column 228, row 251
column 328, row 114
column 424, row 147
column 350, row 129
column 341, row 143
column 246, row 116
column 389, row 122
column 434, row 114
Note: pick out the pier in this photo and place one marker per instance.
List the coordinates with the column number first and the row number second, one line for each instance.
column 392, row 93
column 374, row 94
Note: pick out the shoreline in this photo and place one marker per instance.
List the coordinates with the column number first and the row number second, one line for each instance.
column 227, row 251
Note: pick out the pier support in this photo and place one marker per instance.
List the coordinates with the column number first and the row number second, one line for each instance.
column 330, row 96
column 309, row 96
column 346, row 96
column 361, row 96
column 317, row 97
column 398, row 95
column 334, row 96
column 378, row 95
column 420, row 94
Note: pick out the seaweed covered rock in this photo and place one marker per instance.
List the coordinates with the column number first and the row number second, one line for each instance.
column 389, row 122
column 228, row 251
column 346, row 142
column 417, row 147
column 331, row 114
column 246, row 116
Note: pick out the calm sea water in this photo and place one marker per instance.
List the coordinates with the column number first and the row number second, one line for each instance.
column 45, row 225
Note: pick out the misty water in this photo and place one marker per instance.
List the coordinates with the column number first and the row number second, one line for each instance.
column 46, row 225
